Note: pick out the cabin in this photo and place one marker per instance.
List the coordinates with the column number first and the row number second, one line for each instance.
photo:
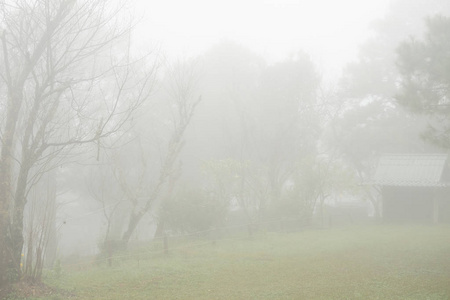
column 414, row 187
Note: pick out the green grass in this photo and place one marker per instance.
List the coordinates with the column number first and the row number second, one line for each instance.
column 377, row 262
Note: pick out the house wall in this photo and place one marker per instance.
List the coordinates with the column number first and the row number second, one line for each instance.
column 444, row 205
column 408, row 204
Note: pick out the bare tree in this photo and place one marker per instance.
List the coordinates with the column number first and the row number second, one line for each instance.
column 40, row 227
column 66, row 80
column 182, row 101
column 102, row 187
column 119, row 183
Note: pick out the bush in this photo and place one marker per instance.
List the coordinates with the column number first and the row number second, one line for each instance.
column 192, row 210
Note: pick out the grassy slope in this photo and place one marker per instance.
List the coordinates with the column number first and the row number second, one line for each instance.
column 395, row 262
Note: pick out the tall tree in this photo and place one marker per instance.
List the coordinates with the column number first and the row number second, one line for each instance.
column 260, row 121
column 424, row 67
column 63, row 83
column 374, row 74
column 285, row 120
column 372, row 122
column 181, row 99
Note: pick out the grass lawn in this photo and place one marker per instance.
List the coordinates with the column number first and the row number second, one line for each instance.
column 374, row 262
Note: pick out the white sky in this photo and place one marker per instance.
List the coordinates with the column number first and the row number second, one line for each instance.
column 330, row 30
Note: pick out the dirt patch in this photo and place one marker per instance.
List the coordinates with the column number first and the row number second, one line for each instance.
column 5, row 291
column 24, row 290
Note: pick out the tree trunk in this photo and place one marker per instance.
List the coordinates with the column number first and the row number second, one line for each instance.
column 4, row 228
column 16, row 239
column 29, row 263
column 37, row 271
column 51, row 243
column 6, row 161
column 132, row 224
column 375, row 203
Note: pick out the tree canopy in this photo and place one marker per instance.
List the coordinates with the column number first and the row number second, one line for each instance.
column 424, row 67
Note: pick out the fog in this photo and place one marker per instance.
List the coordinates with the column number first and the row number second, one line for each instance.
column 329, row 31
column 165, row 133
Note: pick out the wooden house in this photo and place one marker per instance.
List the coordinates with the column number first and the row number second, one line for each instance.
column 414, row 187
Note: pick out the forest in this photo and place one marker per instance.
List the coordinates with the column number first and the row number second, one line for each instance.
column 107, row 148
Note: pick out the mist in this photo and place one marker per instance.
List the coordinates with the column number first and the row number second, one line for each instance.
column 239, row 150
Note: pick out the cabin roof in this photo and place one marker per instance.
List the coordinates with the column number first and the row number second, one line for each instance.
column 411, row 170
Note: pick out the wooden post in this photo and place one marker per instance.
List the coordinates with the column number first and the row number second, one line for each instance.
column 166, row 243
column 435, row 209
column 109, row 252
